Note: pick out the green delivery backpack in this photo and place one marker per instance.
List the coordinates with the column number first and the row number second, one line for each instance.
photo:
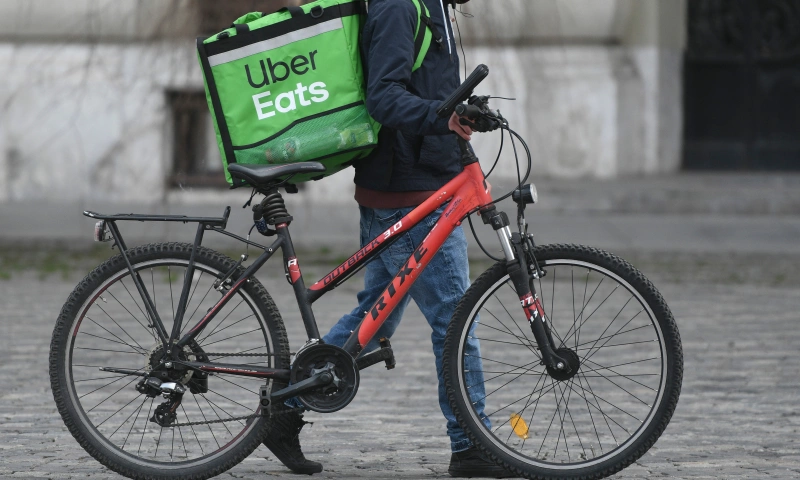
column 289, row 87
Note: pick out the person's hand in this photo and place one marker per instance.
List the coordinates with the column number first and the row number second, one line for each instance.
column 462, row 131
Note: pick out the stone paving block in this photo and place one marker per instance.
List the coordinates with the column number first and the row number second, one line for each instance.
column 738, row 416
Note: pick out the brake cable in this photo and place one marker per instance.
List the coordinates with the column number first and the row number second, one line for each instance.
column 512, row 134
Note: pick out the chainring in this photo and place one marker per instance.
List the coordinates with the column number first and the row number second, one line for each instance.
column 320, row 358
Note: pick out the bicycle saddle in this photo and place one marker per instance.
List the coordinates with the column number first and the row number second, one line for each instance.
column 261, row 175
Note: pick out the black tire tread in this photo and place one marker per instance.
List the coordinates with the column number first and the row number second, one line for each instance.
column 651, row 296
column 78, row 297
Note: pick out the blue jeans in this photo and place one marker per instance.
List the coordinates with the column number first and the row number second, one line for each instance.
column 437, row 293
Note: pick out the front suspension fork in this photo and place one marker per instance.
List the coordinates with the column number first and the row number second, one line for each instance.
column 517, row 269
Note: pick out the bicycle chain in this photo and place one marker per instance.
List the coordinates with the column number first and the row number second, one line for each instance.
column 242, row 354
column 236, row 419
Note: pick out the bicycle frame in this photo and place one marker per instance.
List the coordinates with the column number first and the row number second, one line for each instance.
column 466, row 193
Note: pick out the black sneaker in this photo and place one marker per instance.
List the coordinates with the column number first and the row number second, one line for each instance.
column 471, row 463
column 283, row 440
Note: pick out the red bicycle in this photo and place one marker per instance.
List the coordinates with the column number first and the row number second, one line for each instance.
column 169, row 360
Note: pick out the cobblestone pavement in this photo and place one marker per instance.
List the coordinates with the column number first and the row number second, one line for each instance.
column 738, row 416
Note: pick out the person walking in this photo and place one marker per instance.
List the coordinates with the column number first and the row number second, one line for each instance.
column 417, row 154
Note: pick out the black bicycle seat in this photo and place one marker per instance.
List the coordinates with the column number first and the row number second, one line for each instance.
column 261, row 175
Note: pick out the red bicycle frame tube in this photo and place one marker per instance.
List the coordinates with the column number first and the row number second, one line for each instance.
column 466, row 192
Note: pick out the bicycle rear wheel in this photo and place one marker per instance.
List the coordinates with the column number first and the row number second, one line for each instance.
column 617, row 333
column 104, row 324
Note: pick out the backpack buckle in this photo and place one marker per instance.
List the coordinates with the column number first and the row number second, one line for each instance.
column 317, row 11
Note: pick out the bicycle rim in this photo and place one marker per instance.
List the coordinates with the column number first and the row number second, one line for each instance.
column 593, row 417
column 111, row 329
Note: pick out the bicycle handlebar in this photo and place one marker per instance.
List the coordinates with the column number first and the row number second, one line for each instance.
column 463, row 92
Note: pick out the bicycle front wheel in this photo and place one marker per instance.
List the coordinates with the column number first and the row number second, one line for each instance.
column 616, row 332
column 104, row 323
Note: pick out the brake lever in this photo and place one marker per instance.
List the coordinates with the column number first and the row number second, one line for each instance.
column 464, row 121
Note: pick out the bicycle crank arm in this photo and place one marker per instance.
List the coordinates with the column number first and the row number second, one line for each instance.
column 302, row 387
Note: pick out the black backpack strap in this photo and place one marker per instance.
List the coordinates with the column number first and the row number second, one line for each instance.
column 295, row 11
column 437, row 36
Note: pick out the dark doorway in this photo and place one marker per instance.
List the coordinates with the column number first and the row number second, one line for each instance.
column 742, row 85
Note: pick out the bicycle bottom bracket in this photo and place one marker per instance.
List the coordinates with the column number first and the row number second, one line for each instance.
column 573, row 362
column 322, row 358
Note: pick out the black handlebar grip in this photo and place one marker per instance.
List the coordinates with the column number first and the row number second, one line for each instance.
column 463, row 92
column 469, row 111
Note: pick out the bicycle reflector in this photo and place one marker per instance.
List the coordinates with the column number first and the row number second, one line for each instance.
column 519, row 426
column 100, row 234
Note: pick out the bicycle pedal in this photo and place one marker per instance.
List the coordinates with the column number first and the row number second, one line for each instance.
column 383, row 354
column 390, row 362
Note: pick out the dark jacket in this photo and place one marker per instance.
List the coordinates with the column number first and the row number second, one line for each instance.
column 416, row 150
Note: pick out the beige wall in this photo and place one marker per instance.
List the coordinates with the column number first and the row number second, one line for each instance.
column 106, row 20
column 598, row 84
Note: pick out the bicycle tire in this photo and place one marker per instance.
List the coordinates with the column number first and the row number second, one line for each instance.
column 617, row 377
column 102, row 323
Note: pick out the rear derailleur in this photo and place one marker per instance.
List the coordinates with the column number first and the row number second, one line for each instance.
column 165, row 414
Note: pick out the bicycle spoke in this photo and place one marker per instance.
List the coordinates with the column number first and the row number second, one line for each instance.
column 593, row 311
column 231, row 400
column 597, row 406
column 146, row 316
column 572, row 332
column 590, row 354
column 106, row 350
column 539, row 453
column 210, row 287
column 541, row 391
column 527, row 404
column 144, row 430
column 575, row 427
column 206, row 420
column 192, row 428
column 171, row 297
column 113, row 341
column 500, row 374
column 627, row 377
column 561, row 417
column 215, row 331
column 511, row 317
column 233, row 336
column 234, row 383
column 120, row 409
column 626, row 391
column 138, row 411
column 106, row 399
column 498, row 361
column 503, row 385
column 598, row 397
column 618, row 345
column 110, row 383
column 118, row 325
column 215, row 413
column 158, row 442
column 214, row 404
column 191, row 296
column 612, row 335
column 509, row 332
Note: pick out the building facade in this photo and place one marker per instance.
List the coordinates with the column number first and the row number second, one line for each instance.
column 101, row 100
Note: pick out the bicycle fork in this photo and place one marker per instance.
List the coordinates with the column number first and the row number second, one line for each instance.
column 512, row 244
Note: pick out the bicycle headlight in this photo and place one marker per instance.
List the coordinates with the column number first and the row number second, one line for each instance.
column 526, row 195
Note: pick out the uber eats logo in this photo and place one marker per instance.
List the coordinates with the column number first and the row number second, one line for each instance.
column 272, row 73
